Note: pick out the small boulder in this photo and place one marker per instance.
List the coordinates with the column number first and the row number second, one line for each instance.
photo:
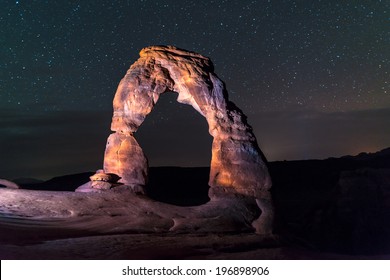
column 101, row 185
column 105, row 177
column 100, row 181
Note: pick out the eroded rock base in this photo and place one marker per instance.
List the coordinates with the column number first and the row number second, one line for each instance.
column 121, row 211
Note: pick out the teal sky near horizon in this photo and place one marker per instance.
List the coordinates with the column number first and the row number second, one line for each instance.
column 312, row 76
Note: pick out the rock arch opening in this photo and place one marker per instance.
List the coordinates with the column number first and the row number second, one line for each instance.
column 175, row 134
column 176, row 142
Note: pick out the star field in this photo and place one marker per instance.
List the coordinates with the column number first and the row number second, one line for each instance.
column 315, row 59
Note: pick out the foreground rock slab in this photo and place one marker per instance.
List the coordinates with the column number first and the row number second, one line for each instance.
column 67, row 214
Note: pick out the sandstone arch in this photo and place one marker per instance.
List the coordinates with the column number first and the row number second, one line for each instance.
column 237, row 165
column 239, row 181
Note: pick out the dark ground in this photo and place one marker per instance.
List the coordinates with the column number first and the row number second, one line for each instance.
column 330, row 209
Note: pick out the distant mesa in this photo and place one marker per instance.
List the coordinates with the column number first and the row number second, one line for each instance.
column 25, row 181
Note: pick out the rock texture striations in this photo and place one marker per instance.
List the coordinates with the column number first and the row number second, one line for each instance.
column 237, row 165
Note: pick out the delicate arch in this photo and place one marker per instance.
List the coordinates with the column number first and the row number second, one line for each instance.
column 237, row 164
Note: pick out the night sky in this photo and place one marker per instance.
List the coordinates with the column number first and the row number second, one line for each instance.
column 312, row 77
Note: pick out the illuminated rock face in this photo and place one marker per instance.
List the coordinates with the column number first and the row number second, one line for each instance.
column 237, row 165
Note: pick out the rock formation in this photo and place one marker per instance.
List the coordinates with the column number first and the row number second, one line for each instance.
column 9, row 184
column 237, row 165
column 103, row 181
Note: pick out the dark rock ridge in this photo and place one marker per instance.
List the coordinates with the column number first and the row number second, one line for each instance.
column 60, row 183
column 335, row 205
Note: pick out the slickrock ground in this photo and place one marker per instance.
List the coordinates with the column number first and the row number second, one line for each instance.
column 326, row 209
column 121, row 224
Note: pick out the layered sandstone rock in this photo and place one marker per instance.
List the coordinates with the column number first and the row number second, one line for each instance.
column 237, row 165
column 9, row 184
